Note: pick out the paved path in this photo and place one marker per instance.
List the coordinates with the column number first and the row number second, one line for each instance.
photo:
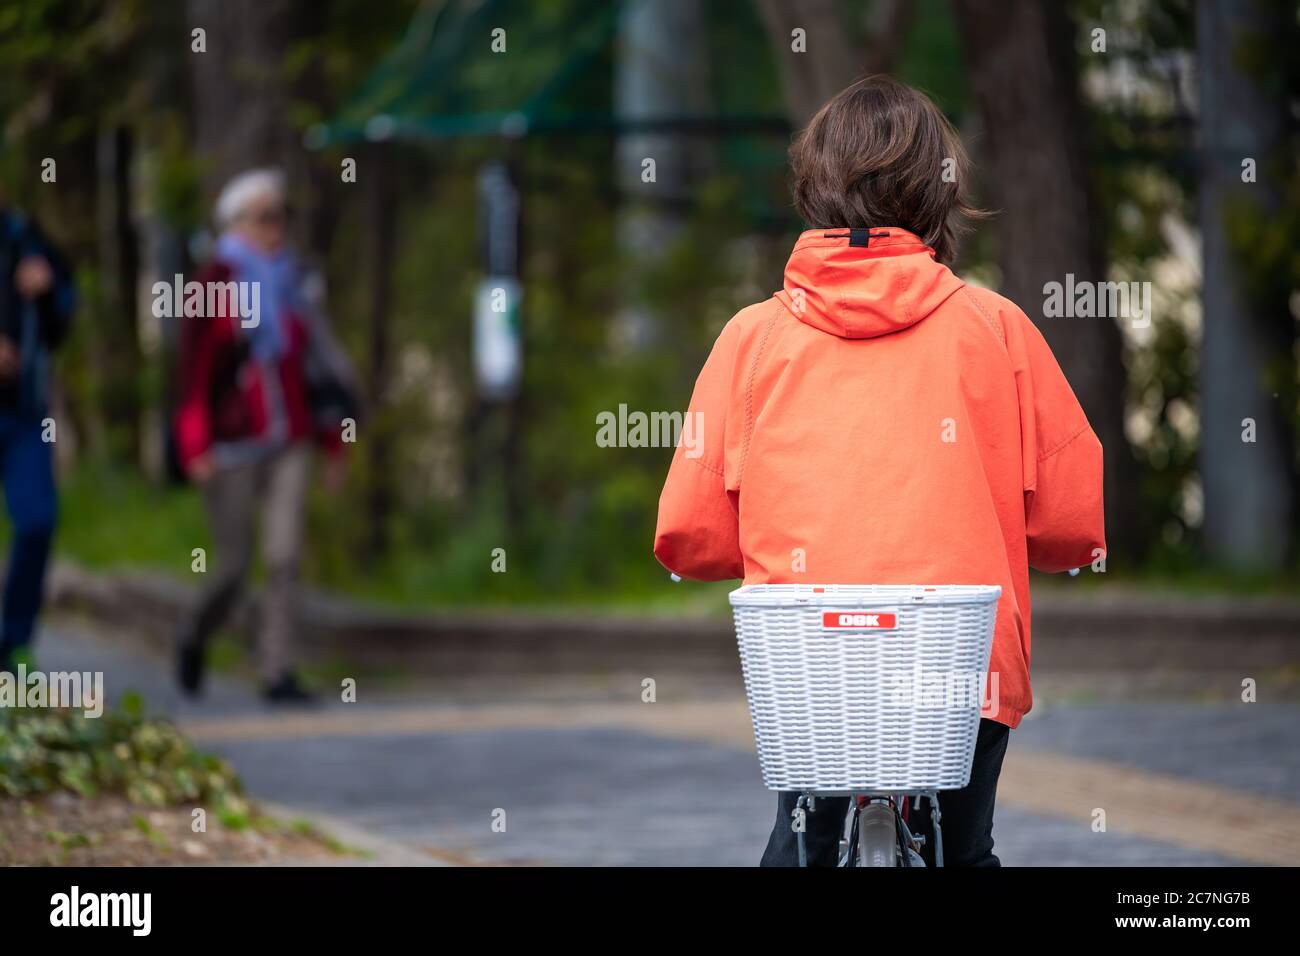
column 583, row 772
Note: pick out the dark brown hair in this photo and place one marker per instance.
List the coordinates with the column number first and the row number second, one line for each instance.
column 873, row 156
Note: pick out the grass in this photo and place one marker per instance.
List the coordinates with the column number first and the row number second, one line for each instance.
column 112, row 519
column 109, row 518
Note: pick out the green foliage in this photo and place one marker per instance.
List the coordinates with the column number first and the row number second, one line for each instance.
column 122, row 752
column 113, row 515
column 931, row 57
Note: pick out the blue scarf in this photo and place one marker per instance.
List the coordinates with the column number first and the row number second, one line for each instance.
column 276, row 274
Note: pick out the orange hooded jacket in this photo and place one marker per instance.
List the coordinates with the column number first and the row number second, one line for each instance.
column 878, row 421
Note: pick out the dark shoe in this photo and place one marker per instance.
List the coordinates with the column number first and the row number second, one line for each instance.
column 189, row 667
column 287, row 690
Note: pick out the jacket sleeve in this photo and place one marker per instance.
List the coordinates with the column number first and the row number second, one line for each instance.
column 697, row 535
column 199, row 344
column 1064, row 514
column 193, row 421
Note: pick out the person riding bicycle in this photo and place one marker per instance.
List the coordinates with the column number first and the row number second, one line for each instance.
column 880, row 421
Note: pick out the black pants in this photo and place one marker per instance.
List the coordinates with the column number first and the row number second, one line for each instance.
column 966, row 821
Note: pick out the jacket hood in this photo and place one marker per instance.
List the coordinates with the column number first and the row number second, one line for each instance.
column 861, row 283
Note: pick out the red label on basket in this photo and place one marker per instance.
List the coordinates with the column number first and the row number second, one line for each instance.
column 859, row 620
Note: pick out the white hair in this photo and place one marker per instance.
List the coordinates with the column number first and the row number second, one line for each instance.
column 239, row 195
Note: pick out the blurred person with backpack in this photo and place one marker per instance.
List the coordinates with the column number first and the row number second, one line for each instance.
column 37, row 299
column 255, row 393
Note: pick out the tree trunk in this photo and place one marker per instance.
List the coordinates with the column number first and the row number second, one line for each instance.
column 825, row 63
column 381, row 228
column 1021, row 65
column 828, row 59
column 661, row 73
column 1248, row 493
column 240, row 100
column 119, row 345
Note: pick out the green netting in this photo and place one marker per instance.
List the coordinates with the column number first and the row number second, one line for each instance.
column 445, row 80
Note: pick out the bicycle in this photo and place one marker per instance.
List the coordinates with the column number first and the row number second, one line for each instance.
column 833, row 677
column 878, row 832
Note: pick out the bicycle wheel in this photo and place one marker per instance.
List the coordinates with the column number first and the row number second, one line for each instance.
column 877, row 836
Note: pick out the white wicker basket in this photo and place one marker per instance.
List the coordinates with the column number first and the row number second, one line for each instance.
column 865, row 688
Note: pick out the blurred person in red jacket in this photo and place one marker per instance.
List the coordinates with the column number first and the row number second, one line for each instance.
column 261, row 381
